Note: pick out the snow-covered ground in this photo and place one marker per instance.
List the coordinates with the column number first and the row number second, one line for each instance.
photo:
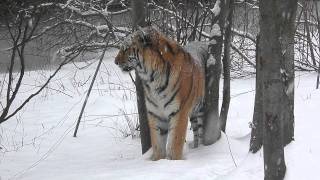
column 38, row 143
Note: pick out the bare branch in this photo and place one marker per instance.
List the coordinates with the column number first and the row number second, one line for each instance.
column 244, row 34
column 245, row 57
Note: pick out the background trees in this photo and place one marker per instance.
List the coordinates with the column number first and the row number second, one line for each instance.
column 21, row 22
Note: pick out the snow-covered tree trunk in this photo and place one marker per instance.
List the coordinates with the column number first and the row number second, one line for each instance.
column 276, row 55
column 211, row 124
column 138, row 12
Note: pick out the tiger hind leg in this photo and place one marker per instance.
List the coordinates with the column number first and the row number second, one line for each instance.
column 196, row 120
column 194, row 127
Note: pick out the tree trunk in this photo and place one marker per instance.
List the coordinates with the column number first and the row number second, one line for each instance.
column 318, row 28
column 139, row 11
column 276, row 55
column 272, row 94
column 211, row 124
column 226, row 67
column 256, row 125
column 287, row 32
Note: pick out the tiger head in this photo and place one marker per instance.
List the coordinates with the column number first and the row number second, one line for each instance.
column 132, row 47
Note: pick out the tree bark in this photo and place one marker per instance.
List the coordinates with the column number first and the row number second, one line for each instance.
column 256, row 125
column 272, row 94
column 139, row 14
column 211, row 124
column 226, row 67
column 276, row 60
column 287, row 32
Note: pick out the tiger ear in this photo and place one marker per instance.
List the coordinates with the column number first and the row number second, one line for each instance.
column 143, row 37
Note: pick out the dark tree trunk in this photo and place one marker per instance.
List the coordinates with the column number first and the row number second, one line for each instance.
column 256, row 125
column 226, row 67
column 276, row 55
column 272, row 94
column 139, row 11
column 287, row 73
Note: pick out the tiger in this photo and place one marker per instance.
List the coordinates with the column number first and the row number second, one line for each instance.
column 173, row 82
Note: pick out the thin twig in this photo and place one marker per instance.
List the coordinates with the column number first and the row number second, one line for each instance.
column 88, row 94
column 234, row 162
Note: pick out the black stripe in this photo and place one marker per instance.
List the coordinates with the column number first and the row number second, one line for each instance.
column 152, row 76
column 150, row 101
column 170, row 48
column 173, row 113
column 172, row 97
column 168, row 71
column 139, row 64
column 146, row 85
column 157, row 117
column 143, row 63
column 136, row 54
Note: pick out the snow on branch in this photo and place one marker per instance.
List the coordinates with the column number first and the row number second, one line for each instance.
column 97, row 29
column 204, row 34
column 74, row 7
column 216, row 8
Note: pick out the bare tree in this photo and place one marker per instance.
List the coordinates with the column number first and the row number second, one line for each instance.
column 211, row 122
column 226, row 65
column 22, row 21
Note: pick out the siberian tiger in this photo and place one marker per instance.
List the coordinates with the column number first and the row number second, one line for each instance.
column 173, row 84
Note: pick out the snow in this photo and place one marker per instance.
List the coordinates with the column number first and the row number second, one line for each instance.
column 215, row 31
column 290, row 88
column 38, row 143
column 216, row 8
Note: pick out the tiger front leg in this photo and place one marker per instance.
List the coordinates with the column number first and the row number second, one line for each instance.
column 158, row 133
column 177, row 136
